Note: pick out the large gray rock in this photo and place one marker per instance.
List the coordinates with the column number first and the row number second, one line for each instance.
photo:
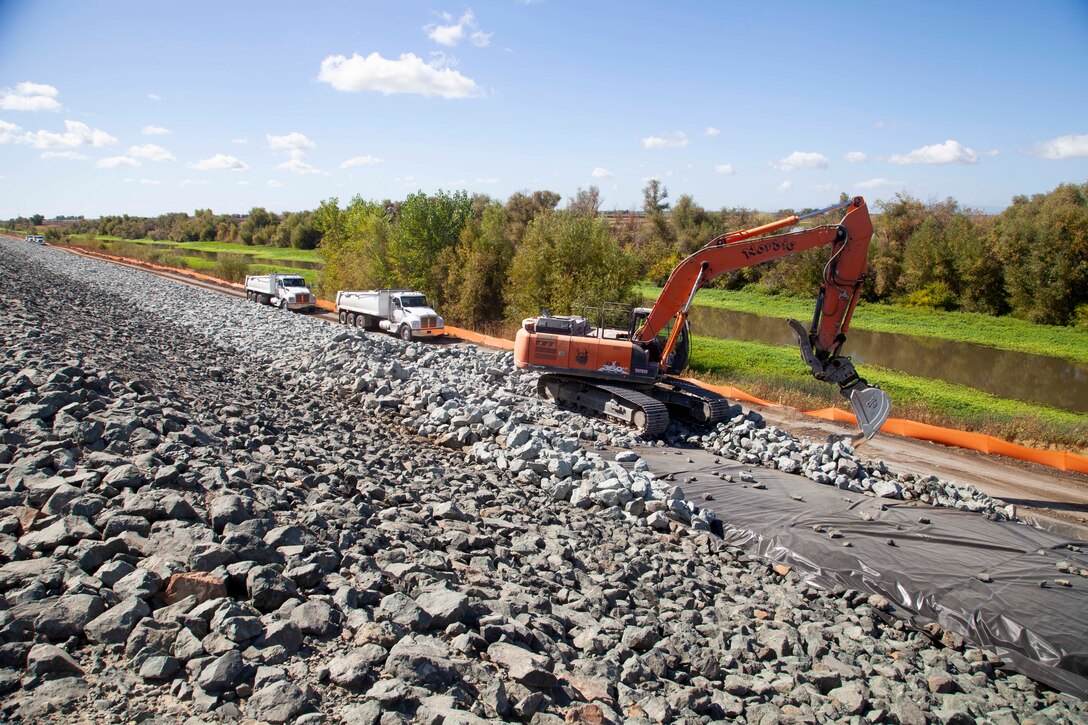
column 529, row 669
column 67, row 616
column 115, row 624
column 222, row 673
column 401, row 609
column 47, row 660
column 444, row 606
column 278, row 702
column 316, row 617
column 422, row 661
column 268, row 589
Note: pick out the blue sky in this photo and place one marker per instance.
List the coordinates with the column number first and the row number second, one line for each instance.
column 148, row 107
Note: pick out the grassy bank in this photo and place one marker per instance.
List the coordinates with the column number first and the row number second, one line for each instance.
column 1003, row 333
column 279, row 254
column 777, row 374
column 175, row 257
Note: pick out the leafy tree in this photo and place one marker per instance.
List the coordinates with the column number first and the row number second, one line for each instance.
column 522, row 208
column 258, row 228
column 426, row 226
column 478, row 267
column 587, row 201
column 37, row 219
column 1043, row 245
column 565, row 262
column 355, row 244
column 655, row 206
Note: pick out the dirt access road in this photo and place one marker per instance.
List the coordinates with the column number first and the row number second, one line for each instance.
column 1055, row 499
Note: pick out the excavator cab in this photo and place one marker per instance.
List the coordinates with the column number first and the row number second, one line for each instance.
column 678, row 359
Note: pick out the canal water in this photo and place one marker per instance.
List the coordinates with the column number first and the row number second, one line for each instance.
column 1020, row 376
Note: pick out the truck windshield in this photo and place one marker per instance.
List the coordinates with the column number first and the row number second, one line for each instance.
column 294, row 282
column 413, row 300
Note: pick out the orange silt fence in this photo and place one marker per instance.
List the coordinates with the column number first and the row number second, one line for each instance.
column 1061, row 460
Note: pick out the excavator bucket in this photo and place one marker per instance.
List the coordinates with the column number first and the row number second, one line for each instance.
column 871, row 407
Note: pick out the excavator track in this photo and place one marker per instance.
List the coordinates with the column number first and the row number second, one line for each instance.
column 695, row 403
column 616, row 402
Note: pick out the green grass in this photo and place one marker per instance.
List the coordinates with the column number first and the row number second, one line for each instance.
column 776, row 373
column 172, row 258
column 274, row 253
column 1003, row 333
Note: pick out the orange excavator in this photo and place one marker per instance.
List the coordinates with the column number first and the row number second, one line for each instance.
column 629, row 373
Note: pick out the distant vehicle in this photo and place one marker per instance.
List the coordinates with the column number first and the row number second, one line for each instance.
column 402, row 312
column 35, row 238
column 286, row 291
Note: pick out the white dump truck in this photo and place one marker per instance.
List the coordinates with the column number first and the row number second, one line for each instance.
column 401, row 312
column 286, row 291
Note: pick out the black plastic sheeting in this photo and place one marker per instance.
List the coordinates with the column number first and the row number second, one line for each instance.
column 931, row 572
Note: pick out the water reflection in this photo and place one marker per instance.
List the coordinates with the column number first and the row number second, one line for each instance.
column 1015, row 375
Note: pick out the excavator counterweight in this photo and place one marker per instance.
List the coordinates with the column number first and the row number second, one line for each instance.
column 629, row 374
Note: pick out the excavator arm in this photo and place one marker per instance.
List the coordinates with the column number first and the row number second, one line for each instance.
column 835, row 302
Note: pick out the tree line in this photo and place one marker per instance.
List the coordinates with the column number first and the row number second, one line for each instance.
column 484, row 260
column 259, row 227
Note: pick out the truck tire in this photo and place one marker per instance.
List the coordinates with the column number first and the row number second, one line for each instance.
column 343, row 317
column 370, row 323
column 281, row 303
column 360, row 321
column 406, row 333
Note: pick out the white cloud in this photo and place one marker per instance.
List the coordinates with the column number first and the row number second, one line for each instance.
column 711, row 131
column 785, row 185
column 488, row 181
column 239, row 140
column 10, row 133
column 601, row 173
column 367, row 160
column 677, row 140
column 855, row 157
column 154, row 131
column 116, row 162
column 1063, row 147
column 29, row 97
column 293, row 141
column 297, row 165
column 243, row 183
column 193, row 182
column 220, row 161
column 154, row 96
column 802, row 160
column 949, row 152
column 273, row 184
column 78, row 134
column 876, row 183
column 70, row 155
column 453, row 33
column 408, row 74
column 150, row 182
column 151, row 151
column 726, row 169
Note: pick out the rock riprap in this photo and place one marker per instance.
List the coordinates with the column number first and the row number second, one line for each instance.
column 211, row 509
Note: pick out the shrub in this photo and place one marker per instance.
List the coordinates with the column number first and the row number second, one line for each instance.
column 231, row 267
column 1080, row 317
column 934, row 296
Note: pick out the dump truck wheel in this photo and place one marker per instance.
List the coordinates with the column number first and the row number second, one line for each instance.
column 406, row 333
column 343, row 317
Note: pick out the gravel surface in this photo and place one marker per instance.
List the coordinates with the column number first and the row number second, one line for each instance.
column 211, row 509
